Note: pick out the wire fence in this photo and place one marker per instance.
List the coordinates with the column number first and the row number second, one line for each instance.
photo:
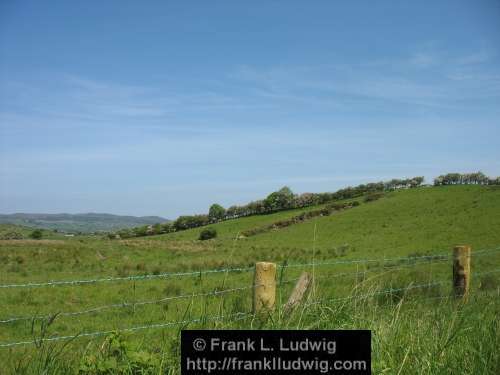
column 128, row 329
column 134, row 304
column 238, row 315
column 442, row 256
column 408, row 262
column 125, row 278
column 393, row 290
column 129, row 304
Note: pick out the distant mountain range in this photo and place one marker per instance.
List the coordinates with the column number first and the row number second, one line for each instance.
column 85, row 223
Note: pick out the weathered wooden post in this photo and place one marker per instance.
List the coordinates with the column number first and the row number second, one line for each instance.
column 298, row 292
column 264, row 287
column 461, row 271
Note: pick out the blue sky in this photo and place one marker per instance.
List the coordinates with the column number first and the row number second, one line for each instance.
column 162, row 108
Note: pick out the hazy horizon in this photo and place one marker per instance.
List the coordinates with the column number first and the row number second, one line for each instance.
column 163, row 109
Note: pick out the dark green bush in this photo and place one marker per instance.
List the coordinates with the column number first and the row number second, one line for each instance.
column 13, row 235
column 373, row 197
column 36, row 234
column 207, row 234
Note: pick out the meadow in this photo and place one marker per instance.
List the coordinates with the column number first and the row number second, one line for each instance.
column 384, row 265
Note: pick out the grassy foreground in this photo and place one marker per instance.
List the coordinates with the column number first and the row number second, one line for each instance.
column 415, row 330
column 410, row 336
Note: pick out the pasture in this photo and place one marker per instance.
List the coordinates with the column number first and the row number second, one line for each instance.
column 384, row 265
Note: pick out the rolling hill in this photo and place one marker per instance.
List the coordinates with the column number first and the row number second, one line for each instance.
column 361, row 251
column 404, row 221
column 85, row 223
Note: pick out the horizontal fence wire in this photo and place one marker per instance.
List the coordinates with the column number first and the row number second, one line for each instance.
column 130, row 329
column 393, row 290
column 237, row 269
column 239, row 314
column 125, row 278
column 441, row 256
column 386, row 269
column 128, row 304
column 383, row 270
column 412, row 259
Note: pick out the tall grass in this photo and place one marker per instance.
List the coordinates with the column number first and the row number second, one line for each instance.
column 413, row 334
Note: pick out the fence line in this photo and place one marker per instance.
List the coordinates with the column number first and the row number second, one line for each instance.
column 128, row 304
column 237, row 269
column 241, row 315
column 130, row 329
column 383, row 269
column 392, row 290
column 192, row 295
column 139, row 303
column 385, row 291
column 126, row 278
column 441, row 256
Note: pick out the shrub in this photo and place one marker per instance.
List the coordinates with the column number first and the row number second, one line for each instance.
column 36, row 234
column 13, row 235
column 207, row 234
column 373, row 197
column 335, row 206
column 117, row 356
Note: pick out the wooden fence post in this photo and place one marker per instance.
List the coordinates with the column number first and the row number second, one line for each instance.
column 461, row 271
column 264, row 291
column 298, row 293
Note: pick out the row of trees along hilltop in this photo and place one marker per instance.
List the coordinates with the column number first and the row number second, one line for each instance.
column 477, row 178
column 285, row 199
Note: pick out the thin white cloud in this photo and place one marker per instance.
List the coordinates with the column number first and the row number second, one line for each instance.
column 423, row 60
column 439, row 82
column 477, row 57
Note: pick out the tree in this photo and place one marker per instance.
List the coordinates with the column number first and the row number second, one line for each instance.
column 231, row 212
column 207, row 234
column 305, row 199
column 193, row 221
column 141, row 231
column 126, row 233
column 439, row 180
column 158, row 228
column 36, row 234
column 167, row 227
column 279, row 200
column 216, row 212
column 415, row 181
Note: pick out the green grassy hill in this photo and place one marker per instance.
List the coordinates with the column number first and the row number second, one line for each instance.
column 13, row 231
column 405, row 223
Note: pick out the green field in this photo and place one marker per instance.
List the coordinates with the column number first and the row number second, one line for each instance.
column 8, row 231
column 417, row 329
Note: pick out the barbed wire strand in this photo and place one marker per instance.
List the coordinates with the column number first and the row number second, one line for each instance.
column 392, row 290
column 130, row 329
column 240, row 314
column 191, row 295
column 441, row 256
column 128, row 304
column 382, row 270
column 237, row 269
column 125, row 278
column 185, row 296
